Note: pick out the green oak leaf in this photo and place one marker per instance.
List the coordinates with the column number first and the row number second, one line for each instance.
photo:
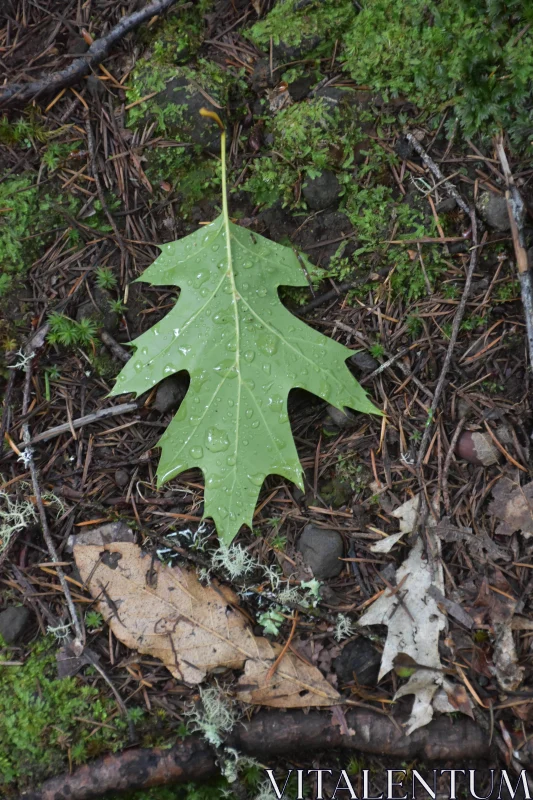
column 244, row 352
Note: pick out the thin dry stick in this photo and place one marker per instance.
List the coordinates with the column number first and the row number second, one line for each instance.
column 81, row 422
column 27, row 458
column 118, row 351
column 430, row 164
column 448, row 461
column 286, row 646
column 517, row 213
column 459, row 314
column 20, row 93
column 403, row 367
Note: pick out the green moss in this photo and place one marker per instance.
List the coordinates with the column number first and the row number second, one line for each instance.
column 467, row 55
column 41, row 720
column 18, row 219
column 307, row 138
column 474, row 57
column 177, row 36
column 373, row 212
column 198, row 182
column 291, row 22
column 45, row 721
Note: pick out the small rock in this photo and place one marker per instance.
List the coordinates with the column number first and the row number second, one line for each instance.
column 261, row 77
column 458, row 247
column 493, row 209
column 321, row 192
column 446, row 205
column 332, row 95
column 290, row 52
column 340, row 418
column 122, row 478
column 404, row 149
column 169, row 394
column 363, row 361
column 13, row 621
column 477, row 448
column 300, row 88
column 359, row 661
column 179, row 92
column 76, row 45
column 321, row 550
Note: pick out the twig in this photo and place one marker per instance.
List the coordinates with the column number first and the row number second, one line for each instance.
column 81, row 422
column 7, row 400
column 118, row 351
column 97, row 52
column 267, row 735
column 284, row 649
column 448, row 461
column 403, row 367
column 27, row 458
column 517, row 212
column 459, row 314
column 428, row 161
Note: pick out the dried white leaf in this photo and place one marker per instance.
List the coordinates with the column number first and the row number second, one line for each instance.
column 414, row 623
column 386, row 545
column 412, row 617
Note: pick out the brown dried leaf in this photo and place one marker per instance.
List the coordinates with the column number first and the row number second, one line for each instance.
column 513, row 505
column 458, row 698
column 194, row 629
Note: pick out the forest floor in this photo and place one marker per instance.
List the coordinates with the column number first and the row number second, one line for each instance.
column 92, row 179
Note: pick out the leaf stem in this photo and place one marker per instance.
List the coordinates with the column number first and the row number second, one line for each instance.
column 213, row 115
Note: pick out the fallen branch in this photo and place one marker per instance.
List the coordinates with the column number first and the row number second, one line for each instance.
column 516, row 210
column 458, row 318
column 16, row 93
column 116, row 349
column 65, row 427
column 28, row 461
column 269, row 735
column 430, row 164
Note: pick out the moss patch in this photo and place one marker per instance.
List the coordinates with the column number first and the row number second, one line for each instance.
column 44, row 719
column 293, row 21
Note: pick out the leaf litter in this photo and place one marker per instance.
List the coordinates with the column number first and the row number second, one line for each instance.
column 414, row 623
column 512, row 504
column 193, row 629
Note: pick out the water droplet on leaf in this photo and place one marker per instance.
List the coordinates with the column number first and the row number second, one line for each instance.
column 216, row 440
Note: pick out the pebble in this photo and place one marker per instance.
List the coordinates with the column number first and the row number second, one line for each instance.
column 493, row 209
column 340, row 418
column 122, row 478
column 322, row 191
column 13, row 622
column 321, row 549
column 359, row 661
column 364, row 361
column 170, row 393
